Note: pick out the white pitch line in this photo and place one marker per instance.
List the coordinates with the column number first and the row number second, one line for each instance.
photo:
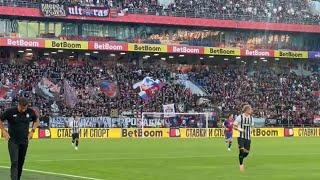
column 53, row 173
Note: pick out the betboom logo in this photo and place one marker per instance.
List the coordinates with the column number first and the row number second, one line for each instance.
column 139, row 133
column 222, row 51
column 290, row 54
column 66, row 45
column 257, row 53
column 22, row 42
column 107, row 46
column 177, row 49
column 147, row 48
column 265, row 133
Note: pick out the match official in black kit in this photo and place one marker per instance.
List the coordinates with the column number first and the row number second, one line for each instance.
column 18, row 135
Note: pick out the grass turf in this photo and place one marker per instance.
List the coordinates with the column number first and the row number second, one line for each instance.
column 169, row 159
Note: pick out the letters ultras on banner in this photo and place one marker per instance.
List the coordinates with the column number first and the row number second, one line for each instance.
column 148, row 87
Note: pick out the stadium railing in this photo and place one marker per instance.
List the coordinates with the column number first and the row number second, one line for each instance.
column 200, row 14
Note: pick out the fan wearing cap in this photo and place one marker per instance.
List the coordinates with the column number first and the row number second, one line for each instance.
column 18, row 135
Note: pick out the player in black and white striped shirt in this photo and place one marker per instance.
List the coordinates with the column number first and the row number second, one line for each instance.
column 243, row 124
column 75, row 128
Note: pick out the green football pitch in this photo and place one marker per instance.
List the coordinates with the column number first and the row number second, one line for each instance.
column 167, row 159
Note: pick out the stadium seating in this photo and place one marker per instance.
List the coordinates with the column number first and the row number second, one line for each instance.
column 283, row 11
column 273, row 94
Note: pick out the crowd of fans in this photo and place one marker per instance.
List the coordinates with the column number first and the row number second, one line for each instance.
column 292, row 11
column 95, row 3
column 288, row 11
column 280, row 96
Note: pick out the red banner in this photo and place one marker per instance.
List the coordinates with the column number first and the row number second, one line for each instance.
column 108, row 46
column 257, row 52
column 185, row 49
column 18, row 42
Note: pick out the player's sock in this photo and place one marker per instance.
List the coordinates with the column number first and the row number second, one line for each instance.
column 245, row 154
column 77, row 142
column 72, row 141
column 229, row 146
column 241, row 158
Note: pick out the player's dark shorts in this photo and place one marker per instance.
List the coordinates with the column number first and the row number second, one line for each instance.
column 75, row 136
column 244, row 143
column 228, row 136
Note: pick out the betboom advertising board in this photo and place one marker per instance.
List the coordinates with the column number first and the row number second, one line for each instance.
column 104, row 133
column 57, row 133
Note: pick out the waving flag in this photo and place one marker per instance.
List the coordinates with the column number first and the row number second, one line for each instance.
column 108, row 88
column 148, row 87
column 47, row 89
column 70, row 95
column 8, row 93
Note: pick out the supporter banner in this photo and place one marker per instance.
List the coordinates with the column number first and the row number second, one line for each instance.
column 88, row 11
column 257, row 52
column 314, row 54
column 185, row 49
column 219, row 132
column 291, row 54
column 18, row 42
column 147, row 47
column 53, row 10
column 168, row 110
column 108, row 46
column 87, row 133
column 306, row 132
column 66, row 44
column 58, row 122
column 146, row 132
column 222, row 51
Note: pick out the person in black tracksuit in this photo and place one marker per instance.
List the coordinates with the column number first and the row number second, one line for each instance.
column 243, row 124
column 18, row 135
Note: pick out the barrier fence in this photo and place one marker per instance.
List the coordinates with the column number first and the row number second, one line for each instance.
column 104, row 133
